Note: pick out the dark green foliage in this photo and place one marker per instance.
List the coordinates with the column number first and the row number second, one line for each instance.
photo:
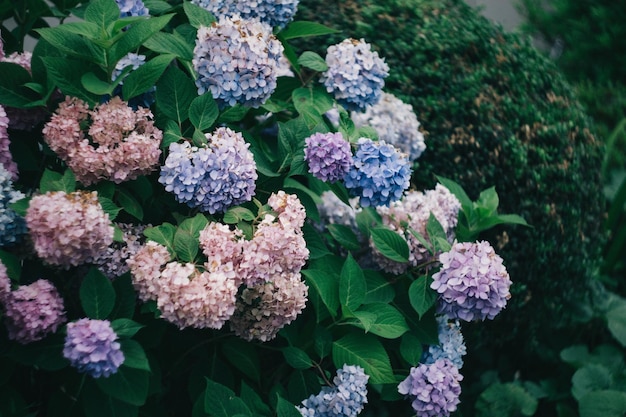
column 497, row 113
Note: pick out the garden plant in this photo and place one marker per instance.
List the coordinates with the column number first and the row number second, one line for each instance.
column 213, row 209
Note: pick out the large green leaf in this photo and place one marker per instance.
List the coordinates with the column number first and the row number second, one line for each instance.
column 390, row 244
column 134, row 355
column 197, row 15
column 616, row 319
column 603, row 403
column 388, row 322
column 591, row 377
column 170, row 43
column 297, row 358
column 102, row 12
column 327, row 287
column 505, row 400
column 174, row 94
column 97, row 296
column 127, row 384
column 203, row 111
column 145, row 77
column 136, row 35
column 301, row 29
column 344, row 235
column 352, row 286
column 186, row 245
column 12, row 90
column 421, row 296
column 163, row 234
column 244, row 357
column 379, row 289
column 366, row 351
column 285, row 409
column 220, row 401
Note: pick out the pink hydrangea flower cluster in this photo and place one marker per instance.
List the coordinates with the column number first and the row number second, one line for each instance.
column 6, row 158
column 33, row 311
column 473, row 283
column 5, row 283
column 412, row 212
column 68, row 229
column 265, row 308
column 120, row 143
column 186, row 296
column 112, row 262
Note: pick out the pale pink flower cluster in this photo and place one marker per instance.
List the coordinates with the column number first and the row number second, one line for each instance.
column 185, row 295
column 6, row 158
column 120, row 143
column 5, row 283
column 22, row 59
column 33, row 311
column 412, row 212
column 68, row 229
column 265, row 308
column 112, row 262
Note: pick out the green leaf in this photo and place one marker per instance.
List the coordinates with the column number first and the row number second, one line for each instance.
column 327, row 287
column 126, row 297
column 323, row 341
column 53, row 181
column 285, row 409
column 313, row 61
column 74, row 45
column 12, row 90
column 352, row 286
column 145, row 77
column 134, row 355
column 12, row 264
column 362, row 319
column 505, row 400
column 102, row 12
column 87, row 29
column 254, row 401
column 300, row 29
column 171, row 134
column 603, row 403
column 367, row 352
column 126, row 327
column 136, row 35
column 344, row 236
column 170, row 43
column 421, row 296
column 46, row 354
column 194, row 225
column 197, row 15
column 97, row 296
column 62, row 73
column 203, row 111
column 390, row 244
column 98, row 404
column 616, row 319
column 366, row 219
column 297, row 358
column 129, row 203
column 457, row 190
column 388, row 321
column 244, row 357
column 411, row 349
column 233, row 114
column 220, row 401
column 174, row 94
column 109, row 207
column 314, row 243
column 127, row 384
column 379, row 289
column 437, row 235
column 236, row 214
column 185, row 245
column 312, row 103
column 591, row 377
column 163, row 234
column 488, row 202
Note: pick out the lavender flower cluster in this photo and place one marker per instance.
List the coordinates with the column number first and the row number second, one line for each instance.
column 31, row 312
column 379, row 173
column 91, row 346
column 112, row 262
column 413, row 212
column 346, row 398
column 355, row 74
column 132, row 8
column 433, row 388
column 121, row 144
column 473, row 283
column 68, row 229
column 237, row 61
column 328, row 155
column 12, row 226
column 6, row 159
column 451, row 344
column 275, row 13
column 395, row 122
column 214, row 177
column 134, row 61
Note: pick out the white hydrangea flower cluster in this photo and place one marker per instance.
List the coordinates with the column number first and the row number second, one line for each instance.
column 237, row 60
column 395, row 122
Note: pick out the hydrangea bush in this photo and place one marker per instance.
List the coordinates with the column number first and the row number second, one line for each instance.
column 191, row 228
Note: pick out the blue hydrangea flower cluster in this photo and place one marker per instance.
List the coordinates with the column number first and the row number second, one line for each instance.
column 132, row 8
column 237, row 61
column 91, row 347
column 346, row 398
column 328, row 155
column 214, row 177
column 451, row 344
column 355, row 74
column 12, row 226
column 473, row 283
column 134, row 61
column 379, row 173
column 275, row 13
column 433, row 388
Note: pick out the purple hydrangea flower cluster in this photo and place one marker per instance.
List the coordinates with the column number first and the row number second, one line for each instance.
column 275, row 13
column 237, row 61
column 433, row 388
column 214, row 177
column 6, row 159
column 112, row 262
column 5, row 283
column 355, row 74
column 472, row 283
column 328, row 155
column 91, row 347
column 395, row 122
column 379, row 174
column 334, row 211
column 346, row 398
column 12, row 226
column 68, row 229
column 132, row 8
column 451, row 344
column 33, row 311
